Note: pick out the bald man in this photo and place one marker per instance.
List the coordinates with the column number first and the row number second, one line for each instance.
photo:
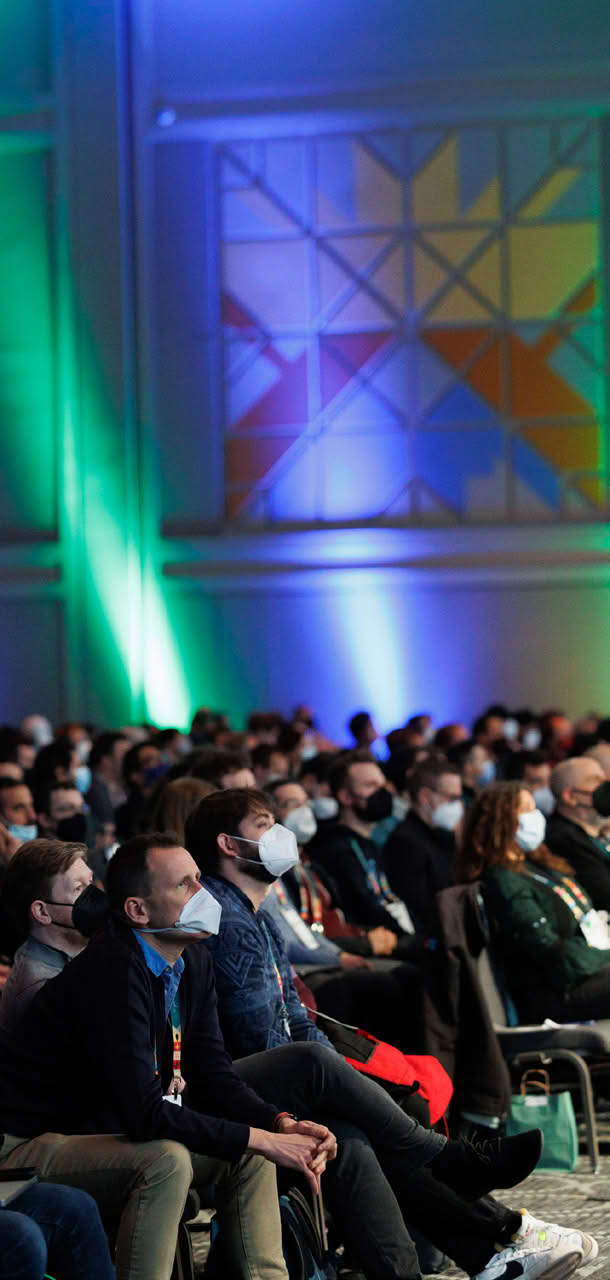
column 601, row 753
column 575, row 830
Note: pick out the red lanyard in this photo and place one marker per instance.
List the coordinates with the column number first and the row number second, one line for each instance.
column 311, row 907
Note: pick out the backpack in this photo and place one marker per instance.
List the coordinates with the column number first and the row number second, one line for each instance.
column 400, row 1073
column 302, row 1243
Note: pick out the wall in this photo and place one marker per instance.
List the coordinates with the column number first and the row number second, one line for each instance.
column 304, row 357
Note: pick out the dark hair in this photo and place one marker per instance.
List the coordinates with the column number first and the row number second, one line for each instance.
column 339, row 772
column 265, row 721
column 10, row 740
column 318, row 766
column 42, row 795
column 56, row 755
column 428, row 774
column 272, row 787
column 128, row 873
column 458, row 753
column 517, row 762
column 399, row 765
column 104, row 746
column 358, row 722
column 222, row 811
column 416, row 722
column 288, row 739
column 9, row 784
column 131, row 759
column 29, row 875
column 261, row 754
column 175, row 801
column 444, row 737
column 603, row 730
column 213, row 763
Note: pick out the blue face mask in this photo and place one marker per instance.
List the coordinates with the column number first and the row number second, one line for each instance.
column 23, row 832
column 82, row 778
column 487, row 773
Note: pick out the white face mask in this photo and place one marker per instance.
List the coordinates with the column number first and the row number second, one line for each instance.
column 325, row 807
column 531, row 829
column 400, row 808
column 532, row 739
column 511, row 728
column 302, row 823
column 201, row 914
column 277, row 850
column 82, row 777
column 448, row 815
column 545, row 800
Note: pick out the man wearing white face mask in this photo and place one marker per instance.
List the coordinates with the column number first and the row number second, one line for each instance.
column 105, row 1050
column 420, row 854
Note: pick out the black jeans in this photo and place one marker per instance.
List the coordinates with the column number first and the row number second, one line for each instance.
column 379, row 1178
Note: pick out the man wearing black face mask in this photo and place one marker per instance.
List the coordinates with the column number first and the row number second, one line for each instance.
column 62, row 813
column 42, row 881
column 351, row 863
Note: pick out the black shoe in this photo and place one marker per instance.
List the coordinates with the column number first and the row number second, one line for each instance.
column 474, row 1169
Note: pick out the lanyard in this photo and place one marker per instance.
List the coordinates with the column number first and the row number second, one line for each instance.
column 310, row 899
column 278, row 978
column 376, row 879
column 178, row 1084
column 569, row 892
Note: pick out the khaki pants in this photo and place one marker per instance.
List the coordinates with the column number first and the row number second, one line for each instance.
column 141, row 1190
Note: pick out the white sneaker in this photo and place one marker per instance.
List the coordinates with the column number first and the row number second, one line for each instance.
column 540, row 1249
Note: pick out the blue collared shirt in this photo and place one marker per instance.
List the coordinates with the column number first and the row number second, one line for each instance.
column 171, row 975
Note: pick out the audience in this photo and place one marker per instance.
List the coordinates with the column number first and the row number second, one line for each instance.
column 419, row 856
column 348, row 859
column 542, row 920
column 41, row 884
column 55, row 1227
column 354, row 911
column 574, row 830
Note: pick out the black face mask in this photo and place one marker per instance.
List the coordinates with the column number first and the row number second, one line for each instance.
column 90, row 911
column 601, row 799
column 377, row 807
column 73, row 829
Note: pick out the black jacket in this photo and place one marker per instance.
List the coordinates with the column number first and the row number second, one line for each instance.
column 82, row 1059
column 591, row 869
column 419, row 862
column 458, row 1026
column 339, row 867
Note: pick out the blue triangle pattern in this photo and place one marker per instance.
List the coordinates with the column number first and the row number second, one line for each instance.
column 461, row 405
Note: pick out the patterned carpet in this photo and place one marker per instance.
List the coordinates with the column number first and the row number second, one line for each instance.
column 578, row 1199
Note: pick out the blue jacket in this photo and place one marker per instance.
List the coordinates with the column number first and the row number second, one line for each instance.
column 254, row 1010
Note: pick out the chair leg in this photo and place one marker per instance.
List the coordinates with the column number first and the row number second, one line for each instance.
column 586, row 1093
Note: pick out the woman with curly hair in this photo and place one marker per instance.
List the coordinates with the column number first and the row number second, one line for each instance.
column 543, row 927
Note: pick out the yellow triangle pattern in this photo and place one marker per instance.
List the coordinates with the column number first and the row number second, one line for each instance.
column 486, row 207
column 428, row 276
column 458, row 305
column 435, row 188
column 455, row 245
column 549, row 193
column 548, row 263
column 378, row 193
column 485, row 274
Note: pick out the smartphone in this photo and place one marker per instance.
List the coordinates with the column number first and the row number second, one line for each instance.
column 13, row 1182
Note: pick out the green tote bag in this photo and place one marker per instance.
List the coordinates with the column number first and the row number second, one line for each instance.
column 551, row 1112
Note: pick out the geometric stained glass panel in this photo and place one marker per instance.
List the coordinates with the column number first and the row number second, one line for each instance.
column 413, row 327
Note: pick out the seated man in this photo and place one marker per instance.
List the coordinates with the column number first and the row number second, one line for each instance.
column 62, row 812
column 104, row 1050
column 17, row 809
column 382, row 995
column 419, row 857
column 348, row 859
column 241, row 851
column 574, row 830
column 41, row 883
column 534, row 769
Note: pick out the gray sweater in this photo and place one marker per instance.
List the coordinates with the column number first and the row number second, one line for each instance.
column 33, row 965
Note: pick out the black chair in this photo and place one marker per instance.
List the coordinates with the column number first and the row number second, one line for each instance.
column 575, row 1043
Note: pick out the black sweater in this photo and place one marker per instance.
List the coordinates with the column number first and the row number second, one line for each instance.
column 82, row 1059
